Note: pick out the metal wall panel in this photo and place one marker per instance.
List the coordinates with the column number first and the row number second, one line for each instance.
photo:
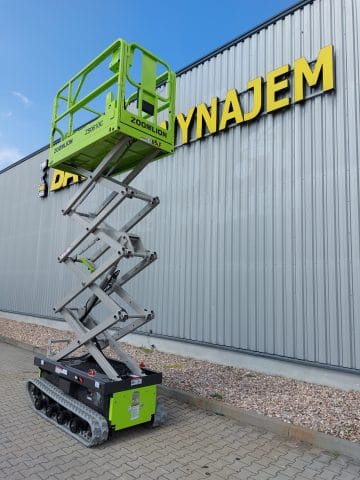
column 258, row 230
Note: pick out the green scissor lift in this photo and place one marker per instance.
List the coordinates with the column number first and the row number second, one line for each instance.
column 115, row 116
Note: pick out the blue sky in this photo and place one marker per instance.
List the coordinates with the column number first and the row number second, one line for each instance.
column 43, row 43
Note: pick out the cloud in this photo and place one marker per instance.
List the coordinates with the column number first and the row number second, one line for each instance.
column 23, row 98
column 8, row 155
column 6, row 114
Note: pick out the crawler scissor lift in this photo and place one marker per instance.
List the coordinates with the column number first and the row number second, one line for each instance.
column 107, row 135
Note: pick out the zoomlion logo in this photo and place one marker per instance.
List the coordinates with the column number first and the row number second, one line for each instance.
column 63, row 145
column 148, row 126
column 280, row 88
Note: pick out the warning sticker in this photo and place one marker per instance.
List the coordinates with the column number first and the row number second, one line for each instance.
column 134, row 412
column 60, row 370
column 136, row 381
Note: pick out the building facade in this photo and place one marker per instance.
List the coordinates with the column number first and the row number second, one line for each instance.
column 258, row 230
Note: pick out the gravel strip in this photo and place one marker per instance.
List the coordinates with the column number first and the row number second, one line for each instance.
column 328, row 410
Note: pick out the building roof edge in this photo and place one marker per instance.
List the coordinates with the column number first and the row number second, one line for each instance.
column 279, row 16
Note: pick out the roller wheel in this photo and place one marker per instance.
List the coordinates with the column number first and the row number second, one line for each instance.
column 50, row 410
column 74, row 425
column 39, row 403
column 61, row 417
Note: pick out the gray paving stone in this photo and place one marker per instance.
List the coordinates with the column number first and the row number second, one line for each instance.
column 194, row 445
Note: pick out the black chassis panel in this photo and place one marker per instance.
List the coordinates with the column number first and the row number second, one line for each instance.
column 100, row 382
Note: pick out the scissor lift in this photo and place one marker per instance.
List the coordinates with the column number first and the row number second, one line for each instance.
column 95, row 391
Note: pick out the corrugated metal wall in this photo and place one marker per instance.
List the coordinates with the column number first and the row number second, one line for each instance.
column 258, row 231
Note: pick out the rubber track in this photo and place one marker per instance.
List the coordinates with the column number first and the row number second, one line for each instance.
column 97, row 422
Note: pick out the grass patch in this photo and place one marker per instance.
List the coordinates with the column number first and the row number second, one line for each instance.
column 146, row 349
column 217, row 396
column 173, row 365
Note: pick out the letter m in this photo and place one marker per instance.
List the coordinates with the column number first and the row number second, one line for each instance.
column 323, row 68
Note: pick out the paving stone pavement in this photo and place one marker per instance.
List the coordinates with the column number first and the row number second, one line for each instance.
column 193, row 445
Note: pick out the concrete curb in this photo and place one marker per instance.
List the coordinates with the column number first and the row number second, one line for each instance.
column 318, row 439
column 23, row 345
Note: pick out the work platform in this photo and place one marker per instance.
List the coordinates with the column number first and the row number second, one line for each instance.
column 133, row 96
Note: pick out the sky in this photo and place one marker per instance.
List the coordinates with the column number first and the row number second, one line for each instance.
column 43, row 43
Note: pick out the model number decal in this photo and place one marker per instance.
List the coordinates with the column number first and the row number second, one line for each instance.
column 94, row 127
